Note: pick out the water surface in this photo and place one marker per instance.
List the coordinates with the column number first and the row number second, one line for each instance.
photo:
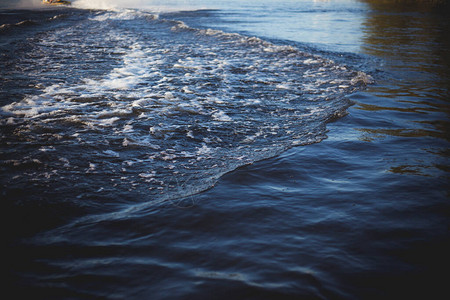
column 266, row 150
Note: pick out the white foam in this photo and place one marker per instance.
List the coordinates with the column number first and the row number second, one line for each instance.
column 141, row 103
column 221, row 116
column 148, row 175
column 204, row 150
column 127, row 128
column 111, row 153
column 65, row 161
column 47, row 149
column 107, row 122
column 252, row 138
column 311, row 61
column 169, row 96
column 283, row 86
column 190, row 134
column 180, row 25
column 185, row 93
column 186, row 90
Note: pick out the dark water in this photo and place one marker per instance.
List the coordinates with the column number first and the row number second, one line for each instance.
column 300, row 153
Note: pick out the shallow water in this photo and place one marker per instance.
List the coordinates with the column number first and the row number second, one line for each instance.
column 214, row 153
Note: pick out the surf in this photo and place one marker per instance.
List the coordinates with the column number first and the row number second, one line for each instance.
column 170, row 108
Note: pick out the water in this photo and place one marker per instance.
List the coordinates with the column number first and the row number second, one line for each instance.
column 243, row 150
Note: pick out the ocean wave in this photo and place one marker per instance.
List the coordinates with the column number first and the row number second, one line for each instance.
column 23, row 23
column 186, row 105
column 30, row 22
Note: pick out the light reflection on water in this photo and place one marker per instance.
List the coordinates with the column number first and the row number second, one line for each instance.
column 411, row 39
column 411, row 92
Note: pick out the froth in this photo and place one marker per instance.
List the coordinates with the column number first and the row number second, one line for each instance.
column 180, row 104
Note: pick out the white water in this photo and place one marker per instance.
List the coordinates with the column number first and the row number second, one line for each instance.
column 177, row 100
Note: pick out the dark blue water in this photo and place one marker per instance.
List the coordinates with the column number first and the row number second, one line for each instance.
column 258, row 150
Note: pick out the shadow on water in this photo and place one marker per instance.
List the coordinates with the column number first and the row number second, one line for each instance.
column 411, row 37
column 411, row 40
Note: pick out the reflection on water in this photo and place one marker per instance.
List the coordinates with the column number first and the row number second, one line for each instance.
column 411, row 38
column 371, row 107
column 410, row 101
column 407, row 170
column 404, row 132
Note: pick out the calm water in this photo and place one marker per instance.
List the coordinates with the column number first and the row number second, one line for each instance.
column 239, row 150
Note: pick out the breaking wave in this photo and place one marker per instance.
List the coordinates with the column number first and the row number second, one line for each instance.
column 167, row 109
